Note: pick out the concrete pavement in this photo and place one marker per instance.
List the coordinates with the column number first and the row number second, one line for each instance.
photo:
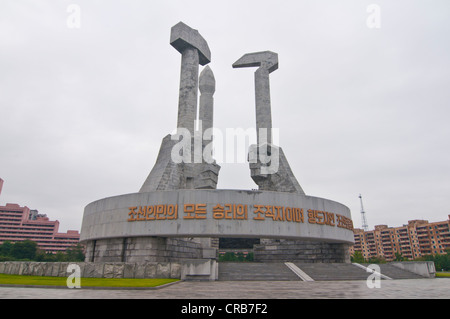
column 438, row 288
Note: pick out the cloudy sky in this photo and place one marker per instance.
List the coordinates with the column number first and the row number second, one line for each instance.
column 361, row 98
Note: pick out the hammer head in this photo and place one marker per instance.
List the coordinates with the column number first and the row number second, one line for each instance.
column 265, row 59
column 183, row 36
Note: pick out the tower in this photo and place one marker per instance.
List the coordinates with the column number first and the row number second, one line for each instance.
column 363, row 216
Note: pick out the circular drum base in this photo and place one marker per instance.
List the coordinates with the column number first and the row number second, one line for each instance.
column 287, row 219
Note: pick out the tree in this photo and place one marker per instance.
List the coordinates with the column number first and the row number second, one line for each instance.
column 6, row 248
column 376, row 260
column 398, row 257
column 28, row 250
column 441, row 262
column 24, row 250
column 75, row 253
column 358, row 257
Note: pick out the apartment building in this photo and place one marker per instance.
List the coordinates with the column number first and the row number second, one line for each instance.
column 19, row 223
column 416, row 239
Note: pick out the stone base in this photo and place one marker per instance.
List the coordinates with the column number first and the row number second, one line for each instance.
column 198, row 269
column 282, row 250
column 143, row 249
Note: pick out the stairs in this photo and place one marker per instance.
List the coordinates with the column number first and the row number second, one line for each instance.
column 246, row 271
column 229, row 271
column 396, row 273
column 323, row 272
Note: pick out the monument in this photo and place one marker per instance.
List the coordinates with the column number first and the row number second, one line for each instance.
column 179, row 214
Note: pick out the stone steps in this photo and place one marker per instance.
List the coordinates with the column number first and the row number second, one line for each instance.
column 395, row 272
column 230, row 271
column 333, row 271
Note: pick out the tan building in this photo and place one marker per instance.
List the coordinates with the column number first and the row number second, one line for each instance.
column 19, row 223
column 416, row 239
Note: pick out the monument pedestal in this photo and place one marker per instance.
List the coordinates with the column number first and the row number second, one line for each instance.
column 143, row 249
column 186, row 224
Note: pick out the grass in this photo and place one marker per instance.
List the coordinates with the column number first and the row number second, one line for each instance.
column 85, row 282
column 443, row 274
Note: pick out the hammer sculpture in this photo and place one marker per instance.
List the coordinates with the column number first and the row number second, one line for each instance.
column 270, row 170
column 194, row 51
column 267, row 62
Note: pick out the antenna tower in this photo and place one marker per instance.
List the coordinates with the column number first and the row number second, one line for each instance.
column 363, row 216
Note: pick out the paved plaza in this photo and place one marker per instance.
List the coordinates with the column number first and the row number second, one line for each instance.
column 390, row 289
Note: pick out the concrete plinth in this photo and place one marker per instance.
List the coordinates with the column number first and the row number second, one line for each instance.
column 216, row 214
column 178, row 225
column 143, row 249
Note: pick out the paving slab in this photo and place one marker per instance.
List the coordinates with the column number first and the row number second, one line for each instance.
column 438, row 288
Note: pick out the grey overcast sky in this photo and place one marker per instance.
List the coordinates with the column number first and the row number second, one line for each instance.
column 360, row 110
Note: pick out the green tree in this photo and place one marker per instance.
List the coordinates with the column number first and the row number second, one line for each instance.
column 228, row 256
column 24, row 250
column 357, row 257
column 75, row 253
column 44, row 256
column 399, row 257
column 376, row 260
column 6, row 248
column 441, row 262
column 59, row 256
column 446, row 261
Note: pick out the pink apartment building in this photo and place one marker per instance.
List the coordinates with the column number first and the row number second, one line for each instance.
column 413, row 240
column 19, row 223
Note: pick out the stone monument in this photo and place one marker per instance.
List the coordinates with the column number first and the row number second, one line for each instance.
column 179, row 214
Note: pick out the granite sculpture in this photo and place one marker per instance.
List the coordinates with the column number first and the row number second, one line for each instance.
column 269, row 167
column 179, row 215
column 191, row 171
